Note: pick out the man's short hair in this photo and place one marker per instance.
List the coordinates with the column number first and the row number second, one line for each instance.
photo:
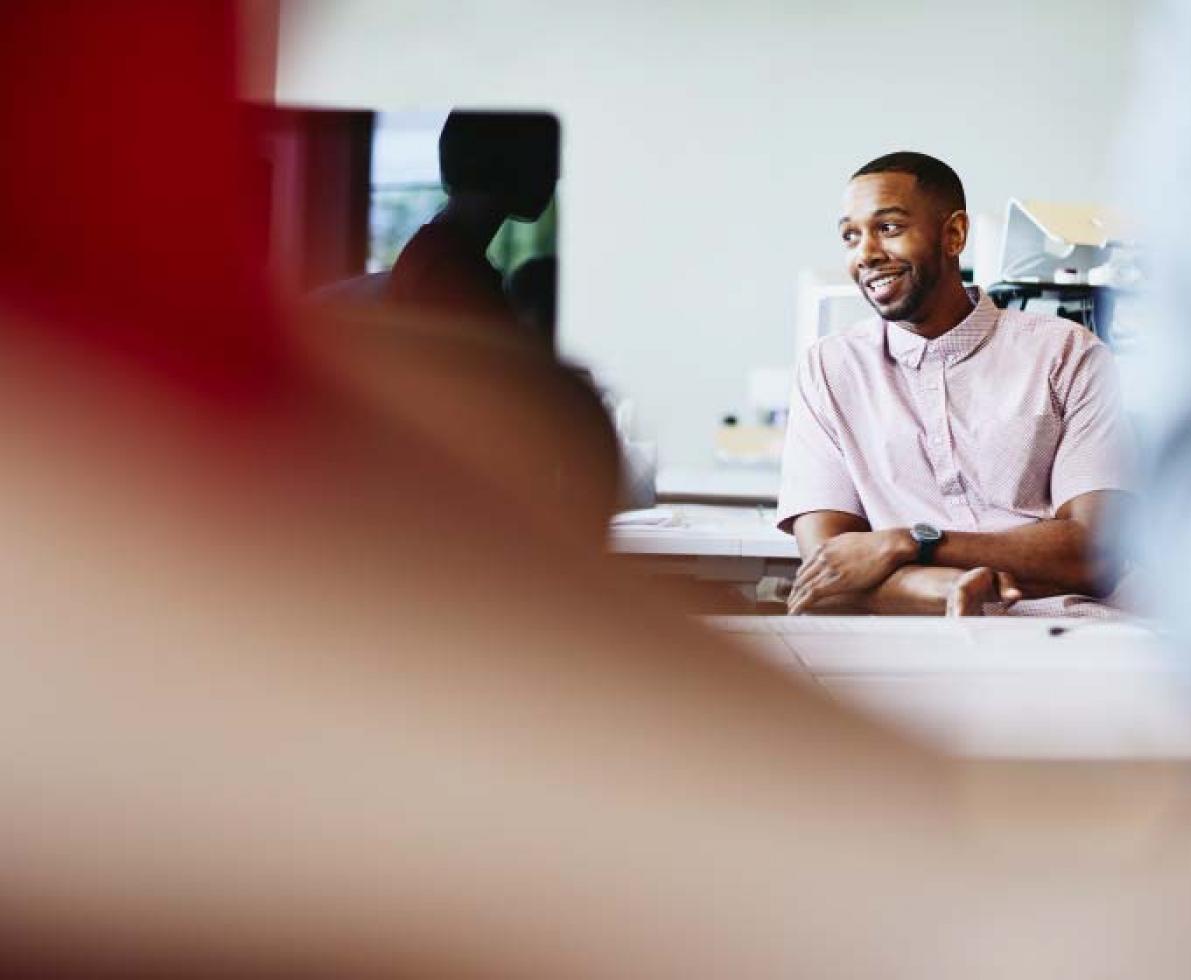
column 498, row 152
column 933, row 176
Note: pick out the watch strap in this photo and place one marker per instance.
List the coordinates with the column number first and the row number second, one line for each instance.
column 926, row 550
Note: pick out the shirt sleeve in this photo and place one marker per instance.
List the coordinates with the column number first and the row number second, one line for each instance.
column 1095, row 450
column 814, row 473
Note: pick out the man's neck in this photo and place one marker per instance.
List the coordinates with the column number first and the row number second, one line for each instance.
column 951, row 307
column 477, row 217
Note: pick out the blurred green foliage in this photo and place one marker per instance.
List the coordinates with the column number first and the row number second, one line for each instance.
column 399, row 210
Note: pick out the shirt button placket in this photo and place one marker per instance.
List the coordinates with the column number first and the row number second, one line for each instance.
column 934, row 400
column 941, row 452
column 954, row 497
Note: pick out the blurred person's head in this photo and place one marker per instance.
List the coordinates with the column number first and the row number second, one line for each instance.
column 1154, row 145
column 511, row 157
column 533, row 292
column 904, row 224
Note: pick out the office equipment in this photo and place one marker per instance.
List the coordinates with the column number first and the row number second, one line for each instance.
column 1081, row 303
column 1047, row 242
column 826, row 303
column 749, row 443
column 639, row 472
column 1074, row 261
column 1113, row 315
column 758, row 437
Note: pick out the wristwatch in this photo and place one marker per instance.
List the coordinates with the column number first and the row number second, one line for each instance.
column 928, row 537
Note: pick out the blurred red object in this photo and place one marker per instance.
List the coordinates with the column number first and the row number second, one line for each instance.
column 127, row 209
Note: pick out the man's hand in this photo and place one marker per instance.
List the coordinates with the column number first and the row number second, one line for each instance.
column 850, row 562
column 977, row 586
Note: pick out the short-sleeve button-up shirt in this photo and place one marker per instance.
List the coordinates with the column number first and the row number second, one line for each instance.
column 994, row 424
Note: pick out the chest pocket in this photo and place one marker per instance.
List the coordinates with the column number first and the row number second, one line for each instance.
column 1014, row 458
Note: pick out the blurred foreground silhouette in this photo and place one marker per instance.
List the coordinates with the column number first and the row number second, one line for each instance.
column 297, row 683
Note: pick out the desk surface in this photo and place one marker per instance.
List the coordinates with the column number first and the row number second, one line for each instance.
column 995, row 688
column 702, row 530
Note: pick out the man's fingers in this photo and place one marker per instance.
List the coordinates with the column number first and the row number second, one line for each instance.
column 960, row 602
column 1008, row 588
column 811, row 568
column 794, row 602
column 980, row 585
column 955, row 596
column 809, row 591
column 803, row 599
column 825, row 584
column 970, row 592
column 806, row 580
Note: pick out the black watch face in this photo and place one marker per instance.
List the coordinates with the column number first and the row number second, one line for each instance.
column 925, row 532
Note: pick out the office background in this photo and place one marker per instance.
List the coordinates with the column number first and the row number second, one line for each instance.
column 705, row 146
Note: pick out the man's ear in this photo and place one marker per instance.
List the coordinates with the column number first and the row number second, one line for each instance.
column 955, row 232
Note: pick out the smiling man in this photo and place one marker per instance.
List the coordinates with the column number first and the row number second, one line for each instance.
column 946, row 456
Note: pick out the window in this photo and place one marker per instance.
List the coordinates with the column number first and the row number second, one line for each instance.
column 406, row 192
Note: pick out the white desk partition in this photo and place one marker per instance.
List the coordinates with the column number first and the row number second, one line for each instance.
column 719, row 484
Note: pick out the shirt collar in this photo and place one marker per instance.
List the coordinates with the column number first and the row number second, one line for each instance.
column 959, row 342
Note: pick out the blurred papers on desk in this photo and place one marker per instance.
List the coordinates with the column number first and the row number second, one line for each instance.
column 647, row 518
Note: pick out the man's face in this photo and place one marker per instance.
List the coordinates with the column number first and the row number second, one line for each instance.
column 893, row 234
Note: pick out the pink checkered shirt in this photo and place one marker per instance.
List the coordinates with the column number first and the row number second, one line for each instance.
column 994, row 424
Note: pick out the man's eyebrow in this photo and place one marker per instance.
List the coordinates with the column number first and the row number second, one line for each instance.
column 893, row 209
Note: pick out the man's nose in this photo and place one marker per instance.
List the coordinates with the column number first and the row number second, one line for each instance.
column 870, row 251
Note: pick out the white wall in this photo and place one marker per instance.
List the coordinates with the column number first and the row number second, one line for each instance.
column 706, row 143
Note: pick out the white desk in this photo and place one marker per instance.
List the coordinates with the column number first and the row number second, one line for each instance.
column 994, row 688
column 709, row 542
column 705, row 529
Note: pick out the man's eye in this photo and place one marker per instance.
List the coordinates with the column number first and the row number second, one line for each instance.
column 890, row 229
column 849, row 237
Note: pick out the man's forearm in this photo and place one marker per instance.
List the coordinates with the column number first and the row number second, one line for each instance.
column 914, row 590
column 856, row 568
column 1052, row 556
column 1049, row 557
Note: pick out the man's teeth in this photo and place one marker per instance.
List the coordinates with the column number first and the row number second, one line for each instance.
column 883, row 281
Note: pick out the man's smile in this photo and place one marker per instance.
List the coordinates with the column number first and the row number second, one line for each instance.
column 883, row 286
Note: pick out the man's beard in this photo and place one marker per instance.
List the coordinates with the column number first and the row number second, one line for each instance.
column 922, row 281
